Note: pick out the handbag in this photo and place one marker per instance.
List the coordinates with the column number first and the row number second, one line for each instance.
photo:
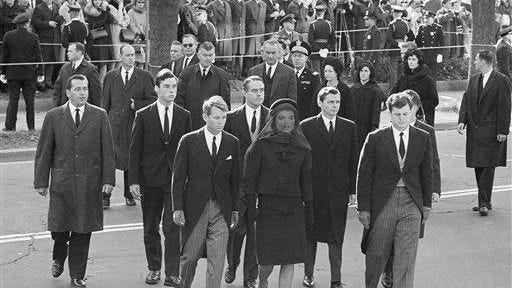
column 127, row 35
column 98, row 33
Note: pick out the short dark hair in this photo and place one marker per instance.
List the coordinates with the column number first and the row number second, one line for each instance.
column 398, row 100
column 360, row 67
column 69, row 83
column 326, row 91
column 214, row 101
column 163, row 75
column 208, row 46
column 410, row 53
column 249, row 80
column 78, row 46
column 415, row 97
column 486, row 55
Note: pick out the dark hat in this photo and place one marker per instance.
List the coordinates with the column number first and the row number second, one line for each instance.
column 369, row 15
column 505, row 31
column 300, row 47
column 283, row 101
column 288, row 18
column 321, row 5
column 75, row 7
column 21, row 18
column 397, row 8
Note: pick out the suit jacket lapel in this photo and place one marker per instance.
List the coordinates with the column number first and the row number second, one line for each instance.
column 244, row 126
column 175, row 119
column 86, row 118
column 389, row 144
column 155, row 118
column 488, row 85
column 412, row 145
column 263, row 118
column 276, row 79
column 132, row 80
column 67, row 117
column 203, row 148
column 222, row 153
column 322, row 129
column 337, row 133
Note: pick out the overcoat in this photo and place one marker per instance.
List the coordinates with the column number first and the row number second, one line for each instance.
column 284, row 82
column 504, row 58
column 367, row 99
column 116, row 100
column 89, row 71
column 333, row 175
column 40, row 18
column 255, row 25
column 75, row 163
column 221, row 19
column 21, row 46
column 485, row 116
column 238, row 14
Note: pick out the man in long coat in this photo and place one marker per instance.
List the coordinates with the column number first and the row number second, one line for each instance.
column 504, row 53
column 238, row 13
column 485, row 112
column 334, row 148
column 75, row 149
column 255, row 19
column 125, row 90
column 220, row 12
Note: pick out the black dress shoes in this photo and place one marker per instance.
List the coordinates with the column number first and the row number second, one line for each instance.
column 153, row 277
column 173, row 281
column 337, row 285
column 78, row 283
column 105, row 202
column 57, row 268
column 130, row 202
column 250, row 283
column 477, row 208
column 484, row 211
column 229, row 275
column 308, row 281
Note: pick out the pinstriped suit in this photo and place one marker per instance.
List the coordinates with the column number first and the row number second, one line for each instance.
column 395, row 212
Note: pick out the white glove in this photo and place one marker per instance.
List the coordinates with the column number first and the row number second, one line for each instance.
column 439, row 58
column 323, row 52
column 40, row 78
column 3, row 79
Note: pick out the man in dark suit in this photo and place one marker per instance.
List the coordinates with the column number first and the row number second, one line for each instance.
column 504, row 53
column 431, row 34
column 189, row 54
column 245, row 123
column 75, row 149
column 200, row 81
column 280, row 80
column 77, row 65
column 20, row 46
column 485, row 112
column 394, row 193
column 372, row 39
column 205, row 193
column 46, row 22
column 175, row 53
column 76, row 30
column 125, row 90
column 334, row 148
column 156, row 132
column 307, row 79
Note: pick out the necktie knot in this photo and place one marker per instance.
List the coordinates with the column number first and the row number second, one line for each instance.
column 204, row 72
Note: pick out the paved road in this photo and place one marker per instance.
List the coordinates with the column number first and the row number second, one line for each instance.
column 460, row 249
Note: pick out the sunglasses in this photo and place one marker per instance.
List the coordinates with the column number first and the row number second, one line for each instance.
column 188, row 45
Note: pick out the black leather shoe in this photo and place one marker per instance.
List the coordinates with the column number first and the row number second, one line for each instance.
column 484, row 211
column 57, row 268
column 337, row 285
column 229, row 275
column 153, row 277
column 173, row 281
column 387, row 280
column 79, row 283
column 105, row 202
column 476, row 209
column 250, row 283
column 308, row 281
column 130, row 202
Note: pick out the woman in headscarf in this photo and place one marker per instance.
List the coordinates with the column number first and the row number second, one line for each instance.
column 367, row 97
column 332, row 68
column 277, row 173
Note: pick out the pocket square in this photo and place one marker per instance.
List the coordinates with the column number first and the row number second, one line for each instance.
column 229, row 157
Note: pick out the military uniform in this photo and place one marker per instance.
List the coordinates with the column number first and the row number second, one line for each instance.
column 431, row 36
column 396, row 34
column 320, row 36
column 307, row 82
column 74, row 31
column 372, row 41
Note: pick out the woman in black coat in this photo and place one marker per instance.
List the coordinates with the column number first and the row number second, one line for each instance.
column 277, row 173
column 416, row 78
column 367, row 97
column 331, row 71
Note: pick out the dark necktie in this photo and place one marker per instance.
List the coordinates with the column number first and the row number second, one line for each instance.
column 166, row 124
column 401, row 148
column 253, row 122
column 480, row 85
column 331, row 129
column 126, row 78
column 77, row 117
column 269, row 70
column 204, row 72
column 214, row 148
column 185, row 63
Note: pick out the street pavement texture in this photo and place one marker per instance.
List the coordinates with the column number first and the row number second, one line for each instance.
column 460, row 248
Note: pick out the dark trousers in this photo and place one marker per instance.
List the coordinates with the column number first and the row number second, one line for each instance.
column 126, row 186
column 335, row 251
column 153, row 202
column 78, row 248
column 29, row 91
column 236, row 238
column 484, row 181
column 429, row 115
column 48, row 54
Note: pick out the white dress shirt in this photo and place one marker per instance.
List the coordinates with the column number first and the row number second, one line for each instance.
column 161, row 114
column 396, row 135
column 326, row 122
column 78, row 62
column 249, row 112
column 72, row 109
column 205, row 72
column 209, row 139
column 299, row 72
column 186, row 61
column 486, row 78
column 123, row 74
column 272, row 69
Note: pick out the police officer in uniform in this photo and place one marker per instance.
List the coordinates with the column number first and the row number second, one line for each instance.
column 431, row 34
column 288, row 31
column 372, row 39
column 75, row 30
column 307, row 79
column 321, row 35
column 396, row 36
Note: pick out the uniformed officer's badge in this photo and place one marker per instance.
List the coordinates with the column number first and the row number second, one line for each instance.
column 432, row 33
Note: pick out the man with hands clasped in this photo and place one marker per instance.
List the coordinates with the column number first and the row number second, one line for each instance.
column 205, row 193
column 75, row 154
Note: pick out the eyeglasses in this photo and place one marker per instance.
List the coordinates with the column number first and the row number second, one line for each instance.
column 188, row 45
column 141, row 2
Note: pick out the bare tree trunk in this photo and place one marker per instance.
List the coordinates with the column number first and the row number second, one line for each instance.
column 484, row 28
column 163, row 24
